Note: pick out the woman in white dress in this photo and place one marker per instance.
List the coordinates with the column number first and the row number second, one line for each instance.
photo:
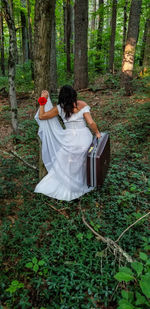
column 64, row 151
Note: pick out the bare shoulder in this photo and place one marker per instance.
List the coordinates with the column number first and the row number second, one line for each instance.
column 81, row 104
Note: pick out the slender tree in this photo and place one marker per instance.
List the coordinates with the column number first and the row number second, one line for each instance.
column 93, row 15
column 30, row 37
column 129, row 52
column 81, row 61
column 53, row 62
column 2, row 43
column 11, row 63
column 144, row 42
column 124, row 24
column 24, row 32
column 112, row 37
column 146, row 61
column 99, row 35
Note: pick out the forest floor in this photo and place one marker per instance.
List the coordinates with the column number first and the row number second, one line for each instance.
column 50, row 259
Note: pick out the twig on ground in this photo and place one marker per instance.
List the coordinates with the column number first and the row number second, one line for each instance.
column 61, row 211
column 112, row 246
column 131, row 226
column 13, row 153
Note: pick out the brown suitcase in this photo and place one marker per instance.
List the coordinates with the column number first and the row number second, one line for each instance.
column 98, row 159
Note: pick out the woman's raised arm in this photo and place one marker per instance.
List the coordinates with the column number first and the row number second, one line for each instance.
column 47, row 115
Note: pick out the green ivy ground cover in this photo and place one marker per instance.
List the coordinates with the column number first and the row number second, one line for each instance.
column 52, row 260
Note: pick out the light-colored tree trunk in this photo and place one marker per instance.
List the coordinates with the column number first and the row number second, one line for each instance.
column 81, row 60
column 11, row 63
column 93, row 16
column 2, row 43
column 129, row 52
column 112, row 37
column 44, row 14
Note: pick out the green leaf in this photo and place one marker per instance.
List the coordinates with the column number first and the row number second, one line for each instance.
column 143, row 256
column 126, row 270
column 80, row 236
column 34, row 260
column 140, row 299
column 127, row 295
column 145, row 285
column 89, row 235
column 124, row 304
column 121, row 276
column 41, row 263
column 138, row 267
column 29, row 265
column 36, row 267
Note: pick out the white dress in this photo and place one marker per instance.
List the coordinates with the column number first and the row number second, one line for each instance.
column 64, row 153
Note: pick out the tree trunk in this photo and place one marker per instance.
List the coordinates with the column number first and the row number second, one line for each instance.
column 65, row 23
column 11, row 63
column 93, row 16
column 146, row 61
column 53, row 63
column 144, row 42
column 112, row 38
column 124, row 24
column 30, row 38
column 44, row 14
column 24, row 33
column 99, row 36
column 81, row 60
column 132, row 37
column 68, row 37
column 2, row 44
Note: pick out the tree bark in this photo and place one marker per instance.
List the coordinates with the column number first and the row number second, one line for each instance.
column 99, row 36
column 112, row 38
column 2, row 44
column 68, row 37
column 81, row 60
column 30, row 38
column 146, row 61
column 44, row 14
column 93, row 16
column 53, row 63
column 24, row 33
column 11, row 63
column 124, row 24
column 144, row 42
column 132, row 37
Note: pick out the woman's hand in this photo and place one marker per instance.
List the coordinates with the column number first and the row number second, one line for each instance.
column 98, row 135
column 44, row 94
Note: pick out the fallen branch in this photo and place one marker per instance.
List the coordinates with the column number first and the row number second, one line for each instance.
column 132, row 225
column 13, row 153
column 111, row 245
column 61, row 211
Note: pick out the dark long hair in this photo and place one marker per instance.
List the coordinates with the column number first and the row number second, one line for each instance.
column 67, row 100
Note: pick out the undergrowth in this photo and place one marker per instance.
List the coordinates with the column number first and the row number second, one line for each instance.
column 50, row 259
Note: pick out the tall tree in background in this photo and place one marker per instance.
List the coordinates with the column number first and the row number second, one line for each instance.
column 124, row 24
column 67, row 32
column 99, row 35
column 11, row 63
column 30, row 37
column 81, row 61
column 93, row 15
column 112, row 38
column 146, row 61
column 53, row 63
column 2, row 43
column 44, row 14
column 129, row 52
column 24, row 32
